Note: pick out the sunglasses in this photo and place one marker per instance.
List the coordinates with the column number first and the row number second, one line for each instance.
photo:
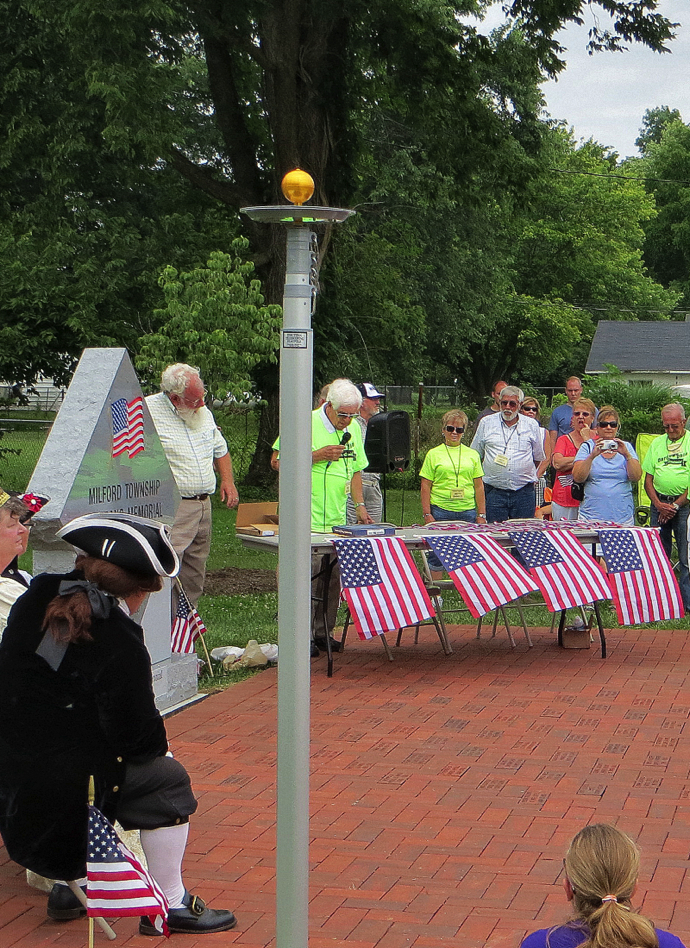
column 608, row 424
column 346, row 414
column 451, row 430
column 582, row 414
column 530, row 408
column 510, row 404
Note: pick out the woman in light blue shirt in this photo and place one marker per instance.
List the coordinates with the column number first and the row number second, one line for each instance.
column 608, row 467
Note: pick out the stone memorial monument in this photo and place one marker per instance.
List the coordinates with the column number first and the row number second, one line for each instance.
column 103, row 455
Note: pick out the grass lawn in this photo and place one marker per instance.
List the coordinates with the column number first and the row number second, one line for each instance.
column 235, row 619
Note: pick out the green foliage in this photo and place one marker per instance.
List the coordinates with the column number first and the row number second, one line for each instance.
column 667, row 246
column 215, row 319
column 639, row 406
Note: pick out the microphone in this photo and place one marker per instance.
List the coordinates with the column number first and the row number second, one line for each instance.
column 347, row 435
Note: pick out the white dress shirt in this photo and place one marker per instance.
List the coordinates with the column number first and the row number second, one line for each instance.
column 521, row 444
column 190, row 451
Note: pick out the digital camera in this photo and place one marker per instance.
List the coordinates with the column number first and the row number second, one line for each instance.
column 609, row 445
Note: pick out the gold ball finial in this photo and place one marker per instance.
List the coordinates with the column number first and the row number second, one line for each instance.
column 297, row 186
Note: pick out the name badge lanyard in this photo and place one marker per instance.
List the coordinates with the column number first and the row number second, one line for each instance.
column 506, row 441
column 456, row 471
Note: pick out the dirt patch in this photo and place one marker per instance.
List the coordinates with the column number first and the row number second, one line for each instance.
column 233, row 581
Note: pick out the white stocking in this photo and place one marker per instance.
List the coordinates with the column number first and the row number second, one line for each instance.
column 164, row 849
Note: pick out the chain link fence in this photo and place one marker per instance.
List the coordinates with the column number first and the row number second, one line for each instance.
column 21, row 443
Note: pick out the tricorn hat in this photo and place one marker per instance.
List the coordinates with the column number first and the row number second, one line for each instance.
column 133, row 543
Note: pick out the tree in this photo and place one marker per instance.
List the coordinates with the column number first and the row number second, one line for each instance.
column 215, row 319
column 232, row 95
column 666, row 164
column 654, row 122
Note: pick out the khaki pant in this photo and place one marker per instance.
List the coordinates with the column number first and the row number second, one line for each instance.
column 191, row 538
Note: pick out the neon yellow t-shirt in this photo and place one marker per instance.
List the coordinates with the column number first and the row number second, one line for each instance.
column 452, row 470
column 330, row 481
column 669, row 464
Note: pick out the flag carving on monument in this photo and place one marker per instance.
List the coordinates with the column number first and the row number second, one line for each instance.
column 187, row 625
column 381, row 585
column 128, row 426
column 116, row 882
column 565, row 572
column 485, row 575
column 642, row 581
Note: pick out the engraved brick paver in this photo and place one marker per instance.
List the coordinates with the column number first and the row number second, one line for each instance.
column 443, row 793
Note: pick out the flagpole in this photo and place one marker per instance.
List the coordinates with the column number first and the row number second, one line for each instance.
column 294, row 539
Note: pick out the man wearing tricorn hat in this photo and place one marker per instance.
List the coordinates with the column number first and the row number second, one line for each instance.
column 76, row 700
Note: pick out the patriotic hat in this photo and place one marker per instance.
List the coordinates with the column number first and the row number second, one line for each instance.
column 367, row 390
column 134, row 543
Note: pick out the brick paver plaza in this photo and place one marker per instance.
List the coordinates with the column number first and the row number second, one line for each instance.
column 444, row 792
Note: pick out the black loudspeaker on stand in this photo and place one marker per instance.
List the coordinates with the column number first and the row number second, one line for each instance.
column 387, row 443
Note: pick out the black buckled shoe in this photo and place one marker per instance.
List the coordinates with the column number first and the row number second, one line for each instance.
column 63, row 904
column 194, row 919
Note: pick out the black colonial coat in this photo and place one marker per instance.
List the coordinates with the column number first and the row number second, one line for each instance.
column 92, row 715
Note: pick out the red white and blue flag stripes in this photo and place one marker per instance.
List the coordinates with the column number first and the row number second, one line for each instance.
column 485, row 575
column 381, row 585
column 567, row 575
column 128, row 426
column 643, row 584
column 116, row 882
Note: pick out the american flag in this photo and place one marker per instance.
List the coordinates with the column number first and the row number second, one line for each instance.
column 562, row 568
column 642, row 581
column 128, row 426
column 187, row 625
column 485, row 575
column 116, row 882
column 381, row 585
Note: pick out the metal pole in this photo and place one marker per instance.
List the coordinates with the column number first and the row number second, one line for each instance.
column 294, row 596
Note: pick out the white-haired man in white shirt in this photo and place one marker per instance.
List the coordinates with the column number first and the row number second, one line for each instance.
column 196, row 451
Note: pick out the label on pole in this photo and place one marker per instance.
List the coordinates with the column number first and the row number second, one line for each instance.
column 294, row 340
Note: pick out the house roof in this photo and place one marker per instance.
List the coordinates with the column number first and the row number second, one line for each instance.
column 655, row 346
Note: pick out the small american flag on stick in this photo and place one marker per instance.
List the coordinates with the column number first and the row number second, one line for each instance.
column 128, row 426
column 188, row 625
column 116, row 882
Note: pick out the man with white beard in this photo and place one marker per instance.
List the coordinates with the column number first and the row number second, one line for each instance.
column 511, row 448
column 193, row 446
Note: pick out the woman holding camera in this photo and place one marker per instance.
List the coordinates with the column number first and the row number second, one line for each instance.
column 608, row 467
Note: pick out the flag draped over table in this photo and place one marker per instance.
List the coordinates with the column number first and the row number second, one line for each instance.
column 642, row 581
column 381, row 585
column 128, row 426
column 116, row 882
column 565, row 572
column 187, row 625
column 485, row 575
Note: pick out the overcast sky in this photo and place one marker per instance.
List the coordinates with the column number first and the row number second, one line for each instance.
column 604, row 96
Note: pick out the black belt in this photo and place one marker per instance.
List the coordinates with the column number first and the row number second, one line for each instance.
column 667, row 499
column 197, row 497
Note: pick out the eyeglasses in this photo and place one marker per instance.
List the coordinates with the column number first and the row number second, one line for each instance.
column 678, row 424
column 346, row 414
column 451, row 430
column 582, row 414
column 510, row 404
column 530, row 408
column 608, row 424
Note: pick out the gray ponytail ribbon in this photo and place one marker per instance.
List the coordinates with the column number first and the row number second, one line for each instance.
column 101, row 603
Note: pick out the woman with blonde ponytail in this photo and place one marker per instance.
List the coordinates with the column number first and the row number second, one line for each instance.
column 601, row 869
